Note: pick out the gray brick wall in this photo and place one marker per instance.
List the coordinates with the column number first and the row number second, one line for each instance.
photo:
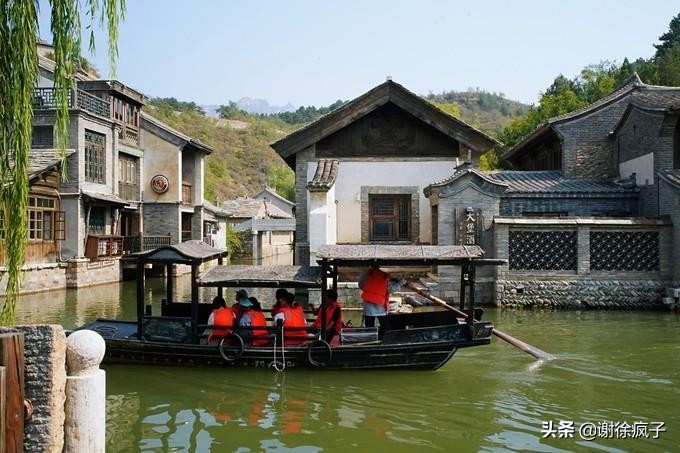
column 587, row 150
column 669, row 205
column 585, row 287
column 302, row 160
column 161, row 219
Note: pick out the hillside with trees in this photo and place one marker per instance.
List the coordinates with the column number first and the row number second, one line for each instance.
column 243, row 161
column 592, row 83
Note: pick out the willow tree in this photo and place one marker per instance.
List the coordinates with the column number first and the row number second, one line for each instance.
column 18, row 78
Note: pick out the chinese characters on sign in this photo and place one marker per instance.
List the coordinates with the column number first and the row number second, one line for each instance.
column 467, row 227
column 604, row 430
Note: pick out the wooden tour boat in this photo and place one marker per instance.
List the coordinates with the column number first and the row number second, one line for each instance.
column 422, row 341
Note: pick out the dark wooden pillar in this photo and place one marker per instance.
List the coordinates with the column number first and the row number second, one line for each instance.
column 140, row 298
column 170, row 283
column 219, row 288
column 471, row 304
column 324, row 295
column 463, row 282
column 12, row 392
column 194, row 300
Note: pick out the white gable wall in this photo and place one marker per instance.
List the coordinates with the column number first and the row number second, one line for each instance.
column 353, row 175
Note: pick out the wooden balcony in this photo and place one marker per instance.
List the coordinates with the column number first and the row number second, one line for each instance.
column 186, row 194
column 128, row 133
column 133, row 244
column 128, row 192
column 44, row 99
column 103, row 246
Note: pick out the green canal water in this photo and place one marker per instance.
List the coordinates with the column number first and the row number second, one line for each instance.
column 611, row 367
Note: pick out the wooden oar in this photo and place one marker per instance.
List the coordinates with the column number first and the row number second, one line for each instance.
column 519, row 344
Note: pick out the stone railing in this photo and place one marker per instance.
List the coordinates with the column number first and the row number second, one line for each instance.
column 584, row 262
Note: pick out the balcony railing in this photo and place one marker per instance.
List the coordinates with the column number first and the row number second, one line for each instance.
column 133, row 244
column 44, row 98
column 98, row 247
column 128, row 134
column 186, row 193
column 128, row 191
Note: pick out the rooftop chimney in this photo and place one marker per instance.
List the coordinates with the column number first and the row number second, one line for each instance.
column 388, row 78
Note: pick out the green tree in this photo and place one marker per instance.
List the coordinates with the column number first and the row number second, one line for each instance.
column 670, row 38
column 282, row 179
column 18, row 78
column 668, row 67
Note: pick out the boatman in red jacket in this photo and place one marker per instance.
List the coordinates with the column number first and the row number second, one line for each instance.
column 375, row 296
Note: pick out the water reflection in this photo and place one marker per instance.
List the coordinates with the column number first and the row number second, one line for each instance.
column 611, row 366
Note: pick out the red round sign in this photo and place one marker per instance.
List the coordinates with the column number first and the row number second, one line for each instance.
column 160, row 184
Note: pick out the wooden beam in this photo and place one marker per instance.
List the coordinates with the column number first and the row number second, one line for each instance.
column 140, row 298
column 12, row 359
column 3, row 401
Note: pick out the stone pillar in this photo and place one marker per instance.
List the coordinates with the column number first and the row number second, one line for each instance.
column 583, row 250
column 44, row 386
column 85, row 425
column 257, row 248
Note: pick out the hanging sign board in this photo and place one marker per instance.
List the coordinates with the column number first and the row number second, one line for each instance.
column 160, row 184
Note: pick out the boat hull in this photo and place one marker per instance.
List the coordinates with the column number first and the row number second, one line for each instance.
column 412, row 349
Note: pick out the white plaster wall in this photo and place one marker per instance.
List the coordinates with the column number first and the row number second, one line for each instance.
column 160, row 158
column 642, row 166
column 352, row 175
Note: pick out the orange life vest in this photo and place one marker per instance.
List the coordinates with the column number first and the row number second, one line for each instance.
column 293, row 318
column 330, row 310
column 257, row 319
column 221, row 317
column 374, row 289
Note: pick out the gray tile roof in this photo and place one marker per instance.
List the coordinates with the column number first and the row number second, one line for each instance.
column 249, row 208
column 640, row 94
column 553, row 182
column 42, row 160
column 671, row 176
column 272, row 192
column 325, row 175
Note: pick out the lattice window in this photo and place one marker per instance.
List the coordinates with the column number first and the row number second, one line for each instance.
column 624, row 250
column 95, row 157
column 390, row 217
column 42, row 137
column 543, row 250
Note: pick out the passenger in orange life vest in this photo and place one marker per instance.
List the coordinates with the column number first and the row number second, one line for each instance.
column 253, row 317
column 333, row 318
column 281, row 295
column 294, row 318
column 220, row 316
column 237, row 308
column 375, row 296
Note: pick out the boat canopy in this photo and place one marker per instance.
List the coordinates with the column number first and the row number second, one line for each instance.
column 188, row 252
column 262, row 276
column 399, row 255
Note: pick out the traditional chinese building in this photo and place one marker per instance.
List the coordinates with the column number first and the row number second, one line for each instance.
column 588, row 218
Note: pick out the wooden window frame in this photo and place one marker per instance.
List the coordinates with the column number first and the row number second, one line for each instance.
column 43, row 216
column 400, row 218
column 95, row 157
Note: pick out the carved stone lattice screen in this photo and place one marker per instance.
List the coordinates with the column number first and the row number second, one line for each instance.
column 543, row 250
column 624, row 250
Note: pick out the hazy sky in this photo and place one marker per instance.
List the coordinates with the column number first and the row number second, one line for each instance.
column 314, row 52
